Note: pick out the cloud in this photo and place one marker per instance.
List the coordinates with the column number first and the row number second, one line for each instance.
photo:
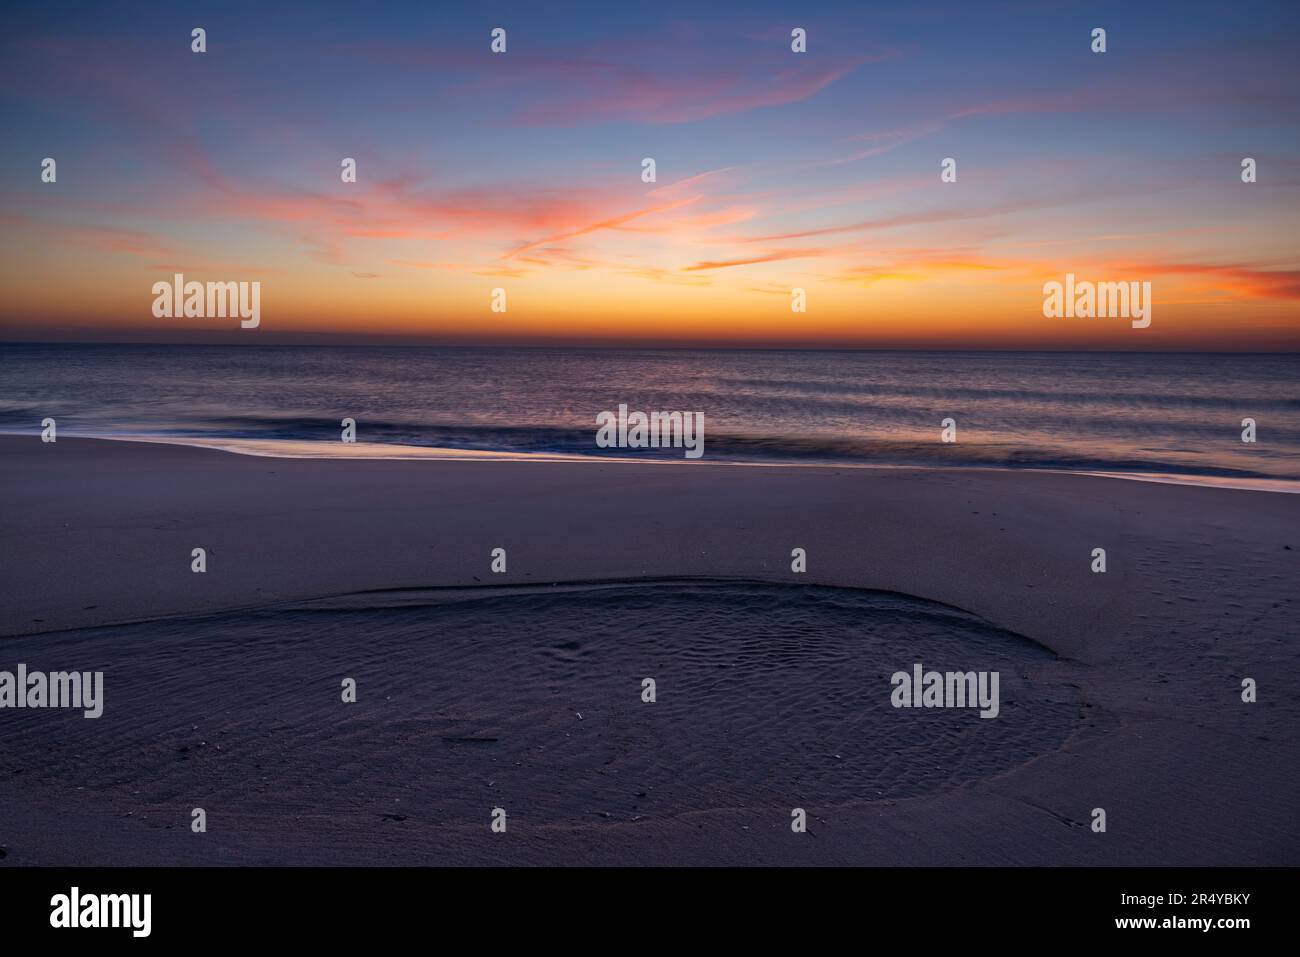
column 1251, row 281
column 775, row 256
column 608, row 223
column 619, row 93
column 113, row 239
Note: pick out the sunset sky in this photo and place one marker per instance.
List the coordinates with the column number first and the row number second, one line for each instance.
column 775, row 170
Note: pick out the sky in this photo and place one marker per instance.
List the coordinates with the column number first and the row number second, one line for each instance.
column 774, row 171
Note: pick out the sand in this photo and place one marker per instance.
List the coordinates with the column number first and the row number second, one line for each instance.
column 523, row 690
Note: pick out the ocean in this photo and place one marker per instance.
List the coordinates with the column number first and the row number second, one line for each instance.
column 1141, row 414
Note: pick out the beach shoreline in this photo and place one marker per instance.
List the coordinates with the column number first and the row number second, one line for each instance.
column 392, row 451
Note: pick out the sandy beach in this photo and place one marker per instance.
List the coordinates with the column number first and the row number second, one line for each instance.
column 522, row 689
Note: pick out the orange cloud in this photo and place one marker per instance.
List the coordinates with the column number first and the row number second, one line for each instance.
column 751, row 260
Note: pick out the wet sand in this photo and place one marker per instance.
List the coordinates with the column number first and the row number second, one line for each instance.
column 1120, row 690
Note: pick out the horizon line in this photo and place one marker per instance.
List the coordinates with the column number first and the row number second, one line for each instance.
column 408, row 342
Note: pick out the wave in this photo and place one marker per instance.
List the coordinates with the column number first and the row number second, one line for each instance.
column 755, row 451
